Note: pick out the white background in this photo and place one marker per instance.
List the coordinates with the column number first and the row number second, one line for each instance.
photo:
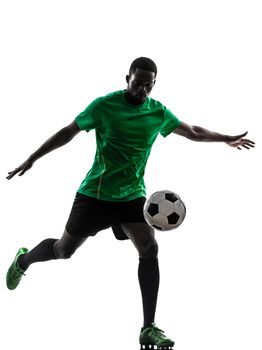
column 56, row 57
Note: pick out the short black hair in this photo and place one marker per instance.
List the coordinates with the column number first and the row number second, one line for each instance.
column 143, row 63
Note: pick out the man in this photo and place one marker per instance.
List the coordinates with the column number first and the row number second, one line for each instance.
column 112, row 194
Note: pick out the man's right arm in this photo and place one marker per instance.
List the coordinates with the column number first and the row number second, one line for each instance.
column 59, row 139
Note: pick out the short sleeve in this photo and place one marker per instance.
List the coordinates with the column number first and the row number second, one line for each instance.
column 171, row 122
column 89, row 118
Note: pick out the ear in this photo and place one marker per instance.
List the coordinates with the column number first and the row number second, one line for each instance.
column 127, row 79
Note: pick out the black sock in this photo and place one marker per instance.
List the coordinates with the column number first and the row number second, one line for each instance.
column 148, row 275
column 42, row 252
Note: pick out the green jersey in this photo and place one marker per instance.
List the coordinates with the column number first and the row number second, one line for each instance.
column 125, row 134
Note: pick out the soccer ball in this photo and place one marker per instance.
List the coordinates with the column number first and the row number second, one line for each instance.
column 164, row 210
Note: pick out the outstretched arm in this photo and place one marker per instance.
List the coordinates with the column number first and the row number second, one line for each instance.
column 59, row 139
column 197, row 133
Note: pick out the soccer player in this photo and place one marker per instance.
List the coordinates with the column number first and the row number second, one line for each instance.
column 112, row 194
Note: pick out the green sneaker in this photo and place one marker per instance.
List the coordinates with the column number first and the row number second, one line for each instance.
column 15, row 273
column 153, row 336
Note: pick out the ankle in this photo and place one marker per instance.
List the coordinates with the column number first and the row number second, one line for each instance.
column 21, row 263
column 147, row 325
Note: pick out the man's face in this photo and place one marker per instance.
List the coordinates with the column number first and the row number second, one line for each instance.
column 140, row 84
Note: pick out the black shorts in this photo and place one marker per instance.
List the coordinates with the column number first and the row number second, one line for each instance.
column 90, row 215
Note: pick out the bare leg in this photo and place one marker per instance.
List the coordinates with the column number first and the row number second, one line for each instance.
column 65, row 247
column 143, row 238
column 51, row 248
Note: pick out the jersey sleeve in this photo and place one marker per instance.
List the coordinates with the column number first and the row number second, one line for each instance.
column 171, row 122
column 89, row 118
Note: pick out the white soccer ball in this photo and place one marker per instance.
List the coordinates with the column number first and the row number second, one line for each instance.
column 164, row 210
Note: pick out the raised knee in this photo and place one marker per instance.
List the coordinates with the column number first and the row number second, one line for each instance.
column 149, row 251
column 66, row 254
column 62, row 253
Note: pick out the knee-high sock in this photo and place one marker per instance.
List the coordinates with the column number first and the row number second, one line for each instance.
column 148, row 275
column 42, row 252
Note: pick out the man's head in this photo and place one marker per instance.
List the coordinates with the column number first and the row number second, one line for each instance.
column 141, row 79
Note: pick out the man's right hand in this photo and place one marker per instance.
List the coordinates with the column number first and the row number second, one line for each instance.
column 21, row 169
column 59, row 139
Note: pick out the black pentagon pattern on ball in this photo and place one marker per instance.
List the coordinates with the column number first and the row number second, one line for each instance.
column 173, row 218
column 153, row 209
column 171, row 197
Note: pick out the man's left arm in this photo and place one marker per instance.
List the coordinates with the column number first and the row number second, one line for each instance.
column 197, row 133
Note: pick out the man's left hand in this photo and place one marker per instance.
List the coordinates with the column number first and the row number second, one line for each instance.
column 240, row 142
